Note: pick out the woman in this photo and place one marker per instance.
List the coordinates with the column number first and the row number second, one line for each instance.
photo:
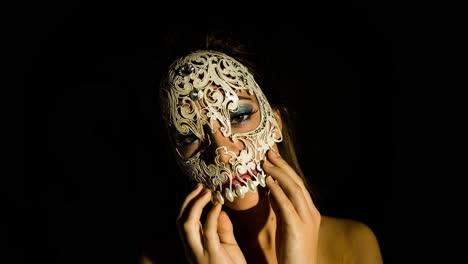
column 252, row 203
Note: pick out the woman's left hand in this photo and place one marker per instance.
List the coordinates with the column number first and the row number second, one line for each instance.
column 298, row 220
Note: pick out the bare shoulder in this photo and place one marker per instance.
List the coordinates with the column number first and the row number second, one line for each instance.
column 347, row 241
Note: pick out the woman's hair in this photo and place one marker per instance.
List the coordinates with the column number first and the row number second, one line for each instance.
column 243, row 47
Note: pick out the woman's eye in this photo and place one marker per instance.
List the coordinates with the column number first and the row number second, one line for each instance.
column 239, row 118
column 242, row 115
column 185, row 140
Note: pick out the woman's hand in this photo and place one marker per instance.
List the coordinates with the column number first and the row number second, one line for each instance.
column 298, row 220
column 212, row 243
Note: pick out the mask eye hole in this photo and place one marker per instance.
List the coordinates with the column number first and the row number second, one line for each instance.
column 241, row 116
column 239, row 119
column 245, row 118
column 187, row 145
column 185, row 140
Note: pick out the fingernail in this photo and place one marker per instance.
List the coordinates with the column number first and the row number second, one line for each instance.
column 205, row 190
column 277, row 155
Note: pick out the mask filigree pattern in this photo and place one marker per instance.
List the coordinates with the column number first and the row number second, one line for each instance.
column 202, row 88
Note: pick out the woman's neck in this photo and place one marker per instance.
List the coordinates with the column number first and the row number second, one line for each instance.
column 255, row 228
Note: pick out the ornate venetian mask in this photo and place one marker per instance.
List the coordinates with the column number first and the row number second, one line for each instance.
column 208, row 92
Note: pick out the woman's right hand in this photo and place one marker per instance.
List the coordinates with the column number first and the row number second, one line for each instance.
column 212, row 243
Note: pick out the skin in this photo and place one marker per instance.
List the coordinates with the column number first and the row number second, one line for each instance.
column 276, row 224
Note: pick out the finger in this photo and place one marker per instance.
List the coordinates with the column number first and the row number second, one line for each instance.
column 278, row 161
column 225, row 229
column 275, row 207
column 189, row 198
column 189, row 226
column 211, row 237
column 285, row 209
column 293, row 191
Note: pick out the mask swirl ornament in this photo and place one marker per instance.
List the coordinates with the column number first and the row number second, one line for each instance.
column 202, row 89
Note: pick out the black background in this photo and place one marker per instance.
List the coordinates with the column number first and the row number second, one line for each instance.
column 93, row 178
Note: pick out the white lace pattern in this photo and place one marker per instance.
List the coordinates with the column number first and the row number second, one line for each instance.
column 202, row 88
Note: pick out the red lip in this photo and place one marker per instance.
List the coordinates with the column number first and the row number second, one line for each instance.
column 235, row 181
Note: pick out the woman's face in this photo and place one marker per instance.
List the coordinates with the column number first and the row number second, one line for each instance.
column 221, row 126
column 244, row 119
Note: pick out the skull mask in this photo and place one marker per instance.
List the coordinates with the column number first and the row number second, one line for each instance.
column 202, row 94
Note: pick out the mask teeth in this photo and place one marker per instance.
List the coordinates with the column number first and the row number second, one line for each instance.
column 240, row 191
column 252, row 185
column 231, row 193
column 219, row 197
column 261, row 179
